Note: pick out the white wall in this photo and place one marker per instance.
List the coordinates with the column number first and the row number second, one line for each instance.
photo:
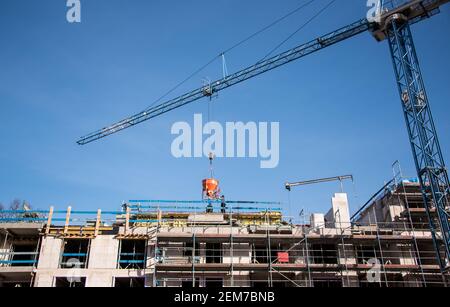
column 103, row 256
column 104, row 252
column 339, row 215
column 102, row 263
column 51, row 249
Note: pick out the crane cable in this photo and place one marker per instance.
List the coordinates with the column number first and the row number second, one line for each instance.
column 269, row 26
column 298, row 30
column 228, row 50
column 355, row 194
column 291, row 218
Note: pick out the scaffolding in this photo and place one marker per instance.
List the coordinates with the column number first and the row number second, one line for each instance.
column 275, row 253
column 178, row 244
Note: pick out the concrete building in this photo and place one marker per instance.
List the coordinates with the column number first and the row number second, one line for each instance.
column 388, row 244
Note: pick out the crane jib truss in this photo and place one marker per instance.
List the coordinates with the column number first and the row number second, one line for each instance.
column 393, row 25
column 290, row 185
column 421, row 9
column 238, row 77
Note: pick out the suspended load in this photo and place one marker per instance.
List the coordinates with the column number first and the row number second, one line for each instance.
column 211, row 189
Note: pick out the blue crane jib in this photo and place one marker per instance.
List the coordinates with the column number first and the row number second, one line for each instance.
column 259, row 68
column 415, row 11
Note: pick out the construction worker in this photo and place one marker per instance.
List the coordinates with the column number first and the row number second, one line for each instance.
column 223, row 204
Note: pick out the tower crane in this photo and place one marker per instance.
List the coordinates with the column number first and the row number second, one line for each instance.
column 392, row 25
column 290, row 185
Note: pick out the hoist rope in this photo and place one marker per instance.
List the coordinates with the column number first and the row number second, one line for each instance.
column 228, row 50
column 299, row 29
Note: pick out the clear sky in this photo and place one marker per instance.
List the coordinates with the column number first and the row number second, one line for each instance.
column 339, row 109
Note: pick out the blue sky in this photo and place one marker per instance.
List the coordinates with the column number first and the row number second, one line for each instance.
column 339, row 110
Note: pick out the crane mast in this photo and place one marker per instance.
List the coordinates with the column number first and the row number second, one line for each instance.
column 392, row 25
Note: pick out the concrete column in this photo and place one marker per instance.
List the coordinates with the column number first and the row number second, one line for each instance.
column 50, row 254
column 317, row 220
column 339, row 215
column 104, row 252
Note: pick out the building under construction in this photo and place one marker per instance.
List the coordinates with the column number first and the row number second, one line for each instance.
column 388, row 243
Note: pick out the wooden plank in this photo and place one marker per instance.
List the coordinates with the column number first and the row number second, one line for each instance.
column 49, row 220
column 66, row 225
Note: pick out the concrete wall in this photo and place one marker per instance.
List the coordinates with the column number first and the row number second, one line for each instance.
column 51, row 250
column 102, row 263
column 104, row 252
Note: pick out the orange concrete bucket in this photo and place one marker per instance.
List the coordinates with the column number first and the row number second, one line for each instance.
column 210, row 184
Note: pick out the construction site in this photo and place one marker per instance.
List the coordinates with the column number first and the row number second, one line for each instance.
column 387, row 243
column 399, row 237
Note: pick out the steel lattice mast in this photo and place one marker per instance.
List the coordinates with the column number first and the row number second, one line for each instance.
column 423, row 137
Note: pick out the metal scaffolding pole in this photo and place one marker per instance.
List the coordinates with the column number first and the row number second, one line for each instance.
column 231, row 246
